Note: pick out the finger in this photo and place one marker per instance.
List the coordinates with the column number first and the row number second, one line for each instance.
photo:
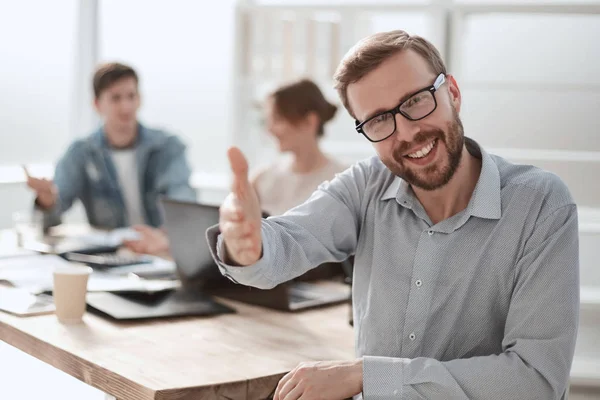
column 280, row 384
column 241, row 249
column 231, row 212
column 135, row 246
column 295, row 393
column 239, row 167
column 257, row 248
column 34, row 181
column 39, row 187
column 26, row 171
column 249, row 257
column 141, row 228
column 285, row 385
column 39, row 184
column 235, row 230
column 252, row 251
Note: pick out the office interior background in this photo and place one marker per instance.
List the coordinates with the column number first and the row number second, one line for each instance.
column 528, row 72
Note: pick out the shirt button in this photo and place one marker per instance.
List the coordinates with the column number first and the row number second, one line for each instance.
column 430, row 233
column 412, row 336
column 396, row 391
column 419, row 283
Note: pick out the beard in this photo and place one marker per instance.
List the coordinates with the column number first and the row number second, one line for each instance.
column 433, row 176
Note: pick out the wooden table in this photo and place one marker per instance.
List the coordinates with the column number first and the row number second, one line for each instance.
column 232, row 356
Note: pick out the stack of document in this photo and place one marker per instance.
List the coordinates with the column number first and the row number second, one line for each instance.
column 113, row 238
column 34, row 274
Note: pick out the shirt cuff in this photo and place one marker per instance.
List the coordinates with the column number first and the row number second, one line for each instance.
column 383, row 377
column 252, row 275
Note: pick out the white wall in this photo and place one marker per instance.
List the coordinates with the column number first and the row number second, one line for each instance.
column 184, row 57
column 36, row 64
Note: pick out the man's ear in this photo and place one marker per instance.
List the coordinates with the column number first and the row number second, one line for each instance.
column 454, row 92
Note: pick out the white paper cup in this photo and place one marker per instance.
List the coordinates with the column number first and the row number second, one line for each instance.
column 69, row 292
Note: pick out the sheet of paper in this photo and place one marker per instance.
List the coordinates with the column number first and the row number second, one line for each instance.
column 106, row 282
column 34, row 274
column 21, row 302
column 110, row 238
column 158, row 266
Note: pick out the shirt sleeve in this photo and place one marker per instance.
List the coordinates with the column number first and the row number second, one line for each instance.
column 323, row 229
column 539, row 336
column 175, row 172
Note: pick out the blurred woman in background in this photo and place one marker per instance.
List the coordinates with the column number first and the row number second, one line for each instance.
column 296, row 115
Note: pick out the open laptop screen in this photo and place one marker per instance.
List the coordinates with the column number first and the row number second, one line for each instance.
column 186, row 224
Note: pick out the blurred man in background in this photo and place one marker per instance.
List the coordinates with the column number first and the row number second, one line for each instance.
column 119, row 171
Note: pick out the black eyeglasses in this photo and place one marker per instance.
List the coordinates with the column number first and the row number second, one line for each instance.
column 419, row 105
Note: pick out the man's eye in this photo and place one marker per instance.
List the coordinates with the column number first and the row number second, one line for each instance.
column 413, row 101
column 381, row 118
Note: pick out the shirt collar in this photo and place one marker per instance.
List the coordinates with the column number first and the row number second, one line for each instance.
column 145, row 139
column 486, row 199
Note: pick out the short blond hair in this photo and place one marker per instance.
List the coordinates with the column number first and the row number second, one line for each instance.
column 371, row 51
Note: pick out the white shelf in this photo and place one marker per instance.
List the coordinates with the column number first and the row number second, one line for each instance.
column 585, row 372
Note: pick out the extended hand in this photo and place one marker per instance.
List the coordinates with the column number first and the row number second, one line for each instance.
column 45, row 190
column 240, row 215
column 152, row 241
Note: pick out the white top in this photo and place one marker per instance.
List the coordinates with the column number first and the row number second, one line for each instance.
column 279, row 189
column 126, row 167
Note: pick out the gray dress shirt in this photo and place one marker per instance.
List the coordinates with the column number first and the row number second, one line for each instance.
column 482, row 305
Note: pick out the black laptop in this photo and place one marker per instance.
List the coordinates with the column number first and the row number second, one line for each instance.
column 195, row 274
column 186, row 223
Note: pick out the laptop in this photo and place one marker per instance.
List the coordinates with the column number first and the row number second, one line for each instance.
column 186, row 223
column 190, row 299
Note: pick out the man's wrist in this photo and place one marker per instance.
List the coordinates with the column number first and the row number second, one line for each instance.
column 358, row 371
column 355, row 376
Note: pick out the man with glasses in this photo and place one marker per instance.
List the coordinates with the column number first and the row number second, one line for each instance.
column 466, row 280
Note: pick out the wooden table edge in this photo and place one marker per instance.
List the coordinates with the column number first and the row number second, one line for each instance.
column 88, row 372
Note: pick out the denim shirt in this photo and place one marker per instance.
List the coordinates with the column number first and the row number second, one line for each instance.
column 87, row 172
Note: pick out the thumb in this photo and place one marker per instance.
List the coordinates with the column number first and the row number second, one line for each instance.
column 239, row 167
column 26, row 171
